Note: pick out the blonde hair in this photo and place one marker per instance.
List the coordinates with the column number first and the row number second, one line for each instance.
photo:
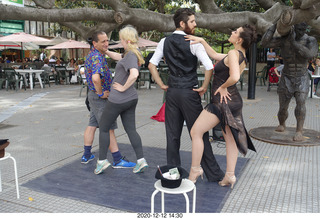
column 130, row 35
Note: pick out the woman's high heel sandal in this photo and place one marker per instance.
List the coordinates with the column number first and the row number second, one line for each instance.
column 195, row 172
column 229, row 179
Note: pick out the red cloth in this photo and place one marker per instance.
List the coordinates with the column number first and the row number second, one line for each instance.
column 160, row 115
column 273, row 78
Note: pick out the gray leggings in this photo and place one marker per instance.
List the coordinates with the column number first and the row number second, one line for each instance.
column 109, row 115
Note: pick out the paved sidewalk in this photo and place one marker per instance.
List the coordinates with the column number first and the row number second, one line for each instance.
column 45, row 128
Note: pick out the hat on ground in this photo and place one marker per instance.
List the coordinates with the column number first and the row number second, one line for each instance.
column 170, row 183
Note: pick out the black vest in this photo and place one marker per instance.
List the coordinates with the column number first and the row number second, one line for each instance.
column 181, row 62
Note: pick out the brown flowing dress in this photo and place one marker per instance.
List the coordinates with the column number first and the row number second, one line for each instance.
column 231, row 113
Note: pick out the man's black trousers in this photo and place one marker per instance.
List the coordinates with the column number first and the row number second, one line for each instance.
column 185, row 105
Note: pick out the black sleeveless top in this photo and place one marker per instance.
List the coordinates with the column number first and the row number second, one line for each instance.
column 230, row 114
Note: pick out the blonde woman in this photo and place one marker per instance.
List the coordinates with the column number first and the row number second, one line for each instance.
column 123, row 99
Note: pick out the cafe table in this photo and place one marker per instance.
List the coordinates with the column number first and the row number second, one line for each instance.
column 31, row 71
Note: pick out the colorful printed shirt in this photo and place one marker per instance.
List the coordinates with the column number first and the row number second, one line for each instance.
column 96, row 63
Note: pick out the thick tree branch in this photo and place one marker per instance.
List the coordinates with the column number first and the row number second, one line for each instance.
column 44, row 4
column 116, row 5
column 315, row 24
column 86, row 32
column 266, row 4
column 146, row 20
column 222, row 22
column 304, row 4
column 77, row 27
column 225, row 22
column 309, row 4
column 208, row 6
column 55, row 15
column 295, row 16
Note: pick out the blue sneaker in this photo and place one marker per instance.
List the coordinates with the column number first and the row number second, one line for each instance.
column 101, row 166
column 123, row 163
column 141, row 167
column 85, row 160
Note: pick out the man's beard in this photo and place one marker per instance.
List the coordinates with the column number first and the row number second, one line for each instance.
column 188, row 30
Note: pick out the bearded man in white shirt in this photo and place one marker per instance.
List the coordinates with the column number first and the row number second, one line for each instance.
column 183, row 96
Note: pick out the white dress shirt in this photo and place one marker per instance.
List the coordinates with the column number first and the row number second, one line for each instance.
column 196, row 49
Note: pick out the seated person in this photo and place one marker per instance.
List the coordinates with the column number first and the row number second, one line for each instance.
column 58, row 63
column 24, row 64
column 72, row 64
column 6, row 60
column 313, row 69
column 52, row 59
column 82, row 74
column 47, row 68
column 46, row 65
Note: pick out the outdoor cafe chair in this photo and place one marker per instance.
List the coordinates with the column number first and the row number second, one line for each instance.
column 45, row 76
column 78, row 74
column 262, row 75
column 317, row 86
column 61, row 73
column 32, row 66
column 2, row 78
column 144, row 75
column 13, row 78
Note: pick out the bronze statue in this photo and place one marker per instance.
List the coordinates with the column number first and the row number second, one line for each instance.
column 296, row 49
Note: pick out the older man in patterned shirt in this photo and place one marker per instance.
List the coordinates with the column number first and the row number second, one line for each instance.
column 99, row 80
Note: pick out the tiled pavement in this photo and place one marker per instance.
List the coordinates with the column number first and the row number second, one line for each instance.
column 45, row 128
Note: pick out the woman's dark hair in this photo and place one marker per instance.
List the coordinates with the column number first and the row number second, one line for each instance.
column 248, row 35
column 182, row 14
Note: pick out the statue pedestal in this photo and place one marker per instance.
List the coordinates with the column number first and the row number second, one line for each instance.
column 269, row 135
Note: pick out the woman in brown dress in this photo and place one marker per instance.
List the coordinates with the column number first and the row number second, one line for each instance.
column 226, row 105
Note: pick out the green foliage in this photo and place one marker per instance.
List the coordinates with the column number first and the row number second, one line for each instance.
column 136, row 3
column 286, row 2
column 215, row 39
column 67, row 4
column 238, row 5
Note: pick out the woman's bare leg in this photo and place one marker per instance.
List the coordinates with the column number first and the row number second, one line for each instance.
column 232, row 157
column 204, row 123
column 231, row 149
